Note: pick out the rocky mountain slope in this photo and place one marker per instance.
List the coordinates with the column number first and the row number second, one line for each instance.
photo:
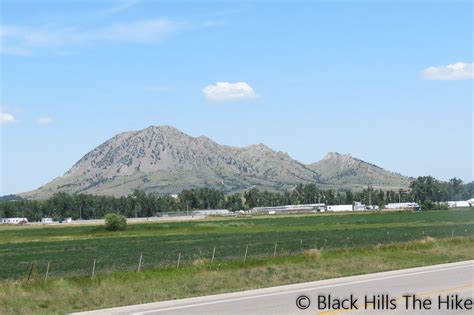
column 344, row 170
column 163, row 159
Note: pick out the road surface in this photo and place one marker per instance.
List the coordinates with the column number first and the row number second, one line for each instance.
column 435, row 288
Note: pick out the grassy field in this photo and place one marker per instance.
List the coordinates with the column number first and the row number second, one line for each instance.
column 71, row 250
column 125, row 288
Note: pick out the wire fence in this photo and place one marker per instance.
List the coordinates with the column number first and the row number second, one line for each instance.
column 83, row 261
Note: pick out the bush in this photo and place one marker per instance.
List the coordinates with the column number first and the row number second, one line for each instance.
column 430, row 205
column 115, row 222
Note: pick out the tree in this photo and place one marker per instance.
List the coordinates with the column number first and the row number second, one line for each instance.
column 234, row 202
column 115, row 222
column 426, row 188
column 252, row 198
column 349, row 197
column 455, row 185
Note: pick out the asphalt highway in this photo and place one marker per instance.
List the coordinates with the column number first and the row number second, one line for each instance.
column 439, row 289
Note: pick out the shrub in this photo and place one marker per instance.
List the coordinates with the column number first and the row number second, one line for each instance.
column 430, row 205
column 115, row 222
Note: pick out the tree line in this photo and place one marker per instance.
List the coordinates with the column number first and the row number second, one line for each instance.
column 425, row 190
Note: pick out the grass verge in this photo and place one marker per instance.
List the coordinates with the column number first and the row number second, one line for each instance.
column 62, row 295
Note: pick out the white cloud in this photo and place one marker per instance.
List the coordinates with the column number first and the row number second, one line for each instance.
column 24, row 41
column 226, row 91
column 455, row 71
column 6, row 118
column 45, row 120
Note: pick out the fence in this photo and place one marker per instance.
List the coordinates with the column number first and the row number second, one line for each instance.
column 183, row 252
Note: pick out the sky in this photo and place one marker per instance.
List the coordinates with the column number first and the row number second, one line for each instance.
column 390, row 82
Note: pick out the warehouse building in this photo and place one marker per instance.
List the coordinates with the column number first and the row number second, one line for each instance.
column 211, row 212
column 403, row 206
column 13, row 220
column 46, row 220
column 340, row 208
column 290, row 208
column 458, row 204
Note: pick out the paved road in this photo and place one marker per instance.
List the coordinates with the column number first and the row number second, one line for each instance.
column 427, row 283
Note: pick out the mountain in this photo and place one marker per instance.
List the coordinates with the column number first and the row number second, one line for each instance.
column 164, row 160
column 343, row 170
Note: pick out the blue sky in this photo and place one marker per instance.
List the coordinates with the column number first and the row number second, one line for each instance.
column 388, row 81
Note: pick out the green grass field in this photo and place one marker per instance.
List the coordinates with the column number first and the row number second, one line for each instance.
column 126, row 288
column 72, row 249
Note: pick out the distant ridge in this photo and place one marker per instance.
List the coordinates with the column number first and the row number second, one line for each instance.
column 343, row 169
column 164, row 160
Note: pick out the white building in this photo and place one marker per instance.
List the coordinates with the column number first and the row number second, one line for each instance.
column 13, row 220
column 459, row 204
column 290, row 208
column 339, row 208
column 403, row 206
column 47, row 220
column 211, row 212
column 358, row 206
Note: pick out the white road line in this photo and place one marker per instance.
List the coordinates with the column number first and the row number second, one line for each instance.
column 299, row 290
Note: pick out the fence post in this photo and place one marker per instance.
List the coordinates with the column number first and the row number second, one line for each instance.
column 47, row 272
column 246, row 251
column 31, row 271
column 140, row 262
column 275, row 250
column 213, row 254
column 452, row 234
column 93, row 269
column 179, row 260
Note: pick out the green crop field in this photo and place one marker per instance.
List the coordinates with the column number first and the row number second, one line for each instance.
column 71, row 250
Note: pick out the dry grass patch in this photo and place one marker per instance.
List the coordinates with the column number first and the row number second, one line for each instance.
column 312, row 253
column 427, row 240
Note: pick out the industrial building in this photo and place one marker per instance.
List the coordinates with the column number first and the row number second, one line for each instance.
column 403, row 206
column 211, row 212
column 458, row 204
column 13, row 220
column 339, row 208
column 358, row 206
column 290, row 208
column 316, row 207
